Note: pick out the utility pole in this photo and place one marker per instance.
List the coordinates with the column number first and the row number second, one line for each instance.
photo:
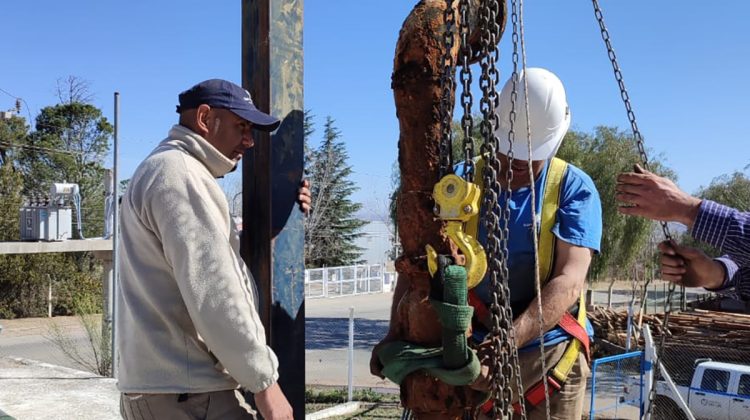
column 115, row 230
column 273, row 238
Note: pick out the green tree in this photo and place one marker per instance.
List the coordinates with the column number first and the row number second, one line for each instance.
column 25, row 279
column 332, row 227
column 69, row 144
column 309, row 129
column 12, row 133
column 309, row 153
column 732, row 190
column 458, row 153
column 604, row 155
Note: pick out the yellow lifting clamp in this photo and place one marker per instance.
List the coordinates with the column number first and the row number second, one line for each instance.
column 456, row 202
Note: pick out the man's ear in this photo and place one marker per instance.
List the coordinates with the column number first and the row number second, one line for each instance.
column 202, row 119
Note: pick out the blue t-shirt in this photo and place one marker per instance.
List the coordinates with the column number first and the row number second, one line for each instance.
column 579, row 222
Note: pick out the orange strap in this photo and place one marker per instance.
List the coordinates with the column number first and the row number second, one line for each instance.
column 568, row 322
column 480, row 309
column 570, row 325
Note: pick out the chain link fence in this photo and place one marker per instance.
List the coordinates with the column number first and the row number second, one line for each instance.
column 704, row 369
column 617, row 386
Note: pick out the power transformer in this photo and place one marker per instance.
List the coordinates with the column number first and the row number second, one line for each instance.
column 49, row 218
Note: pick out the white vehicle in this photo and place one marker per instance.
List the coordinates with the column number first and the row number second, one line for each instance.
column 718, row 391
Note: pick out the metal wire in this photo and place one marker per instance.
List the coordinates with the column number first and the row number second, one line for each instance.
column 534, row 222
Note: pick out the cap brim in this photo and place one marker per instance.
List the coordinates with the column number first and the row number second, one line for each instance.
column 260, row 120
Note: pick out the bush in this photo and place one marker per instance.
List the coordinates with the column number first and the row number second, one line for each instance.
column 340, row 395
column 25, row 280
column 97, row 356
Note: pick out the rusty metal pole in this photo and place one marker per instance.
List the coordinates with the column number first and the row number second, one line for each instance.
column 417, row 94
column 273, row 237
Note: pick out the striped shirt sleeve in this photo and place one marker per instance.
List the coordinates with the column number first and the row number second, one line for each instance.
column 725, row 228
column 731, row 269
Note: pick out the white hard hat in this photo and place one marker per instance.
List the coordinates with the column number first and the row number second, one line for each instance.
column 548, row 111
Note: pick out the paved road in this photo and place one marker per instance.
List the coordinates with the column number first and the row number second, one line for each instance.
column 327, row 336
column 39, row 348
column 31, row 338
column 326, row 343
column 327, row 327
column 327, row 330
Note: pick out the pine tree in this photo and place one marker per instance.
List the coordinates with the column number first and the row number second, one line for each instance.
column 332, row 227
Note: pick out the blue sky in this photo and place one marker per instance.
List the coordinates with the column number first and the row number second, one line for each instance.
column 684, row 65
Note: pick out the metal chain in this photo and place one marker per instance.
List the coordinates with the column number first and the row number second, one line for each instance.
column 503, row 324
column 644, row 159
column 501, row 335
column 467, row 121
column 447, row 85
column 506, row 212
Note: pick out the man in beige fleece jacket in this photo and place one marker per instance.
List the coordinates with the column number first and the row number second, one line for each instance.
column 189, row 330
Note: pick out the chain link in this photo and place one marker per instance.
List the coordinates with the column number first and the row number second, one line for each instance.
column 506, row 218
column 467, row 100
column 505, row 362
column 447, row 86
column 644, row 159
column 507, row 192
column 501, row 335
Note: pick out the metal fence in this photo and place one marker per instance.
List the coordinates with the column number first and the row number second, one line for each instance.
column 347, row 281
column 617, row 387
column 703, row 361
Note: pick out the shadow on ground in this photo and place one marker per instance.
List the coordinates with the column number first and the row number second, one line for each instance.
column 331, row 333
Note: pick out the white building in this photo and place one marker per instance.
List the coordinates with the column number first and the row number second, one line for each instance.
column 376, row 242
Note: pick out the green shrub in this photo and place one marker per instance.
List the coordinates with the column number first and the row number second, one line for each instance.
column 25, row 281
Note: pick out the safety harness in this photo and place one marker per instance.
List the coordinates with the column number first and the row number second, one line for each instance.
column 574, row 326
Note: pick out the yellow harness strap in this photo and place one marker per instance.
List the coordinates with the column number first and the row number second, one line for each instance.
column 570, row 357
column 550, row 205
column 547, row 240
column 546, row 251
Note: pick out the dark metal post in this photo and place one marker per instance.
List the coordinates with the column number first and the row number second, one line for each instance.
column 273, row 237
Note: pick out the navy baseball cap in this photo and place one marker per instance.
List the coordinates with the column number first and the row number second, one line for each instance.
column 219, row 93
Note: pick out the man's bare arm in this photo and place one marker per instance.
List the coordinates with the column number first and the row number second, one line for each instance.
column 558, row 295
